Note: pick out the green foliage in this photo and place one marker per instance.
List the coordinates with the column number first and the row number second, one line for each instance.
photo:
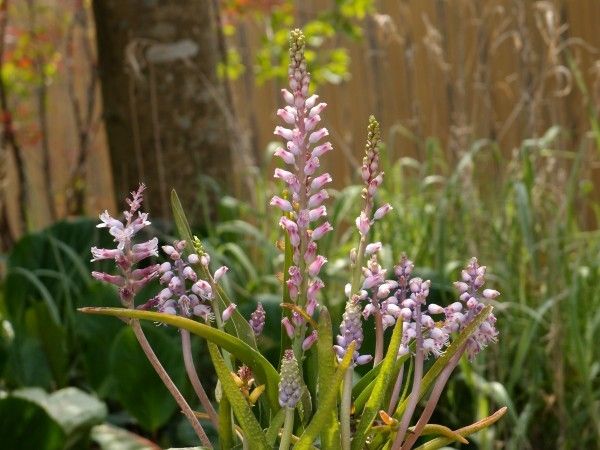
column 130, row 367
column 62, row 420
column 329, row 61
column 263, row 370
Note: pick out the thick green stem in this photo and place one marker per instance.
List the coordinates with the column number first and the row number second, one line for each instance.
column 288, row 428
column 346, row 408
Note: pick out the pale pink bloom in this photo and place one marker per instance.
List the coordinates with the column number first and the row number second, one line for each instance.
column 287, row 157
column 320, row 181
column 321, row 230
column 310, row 340
column 318, row 135
column 382, row 211
column 316, row 265
column 281, row 203
column 220, row 272
column 285, row 133
column 228, row 312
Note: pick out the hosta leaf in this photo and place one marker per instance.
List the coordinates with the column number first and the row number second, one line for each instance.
column 319, row 420
column 263, row 370
column 252, row 431
column 379, row 389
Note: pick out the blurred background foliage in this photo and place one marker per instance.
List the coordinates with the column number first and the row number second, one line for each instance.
column 492, row 148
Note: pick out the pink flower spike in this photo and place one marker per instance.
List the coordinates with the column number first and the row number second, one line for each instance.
column 220, row 272
column 318, row 198
column 287, row 157
column 286, row 115
column 285, row 133
column 289, row 328
column 107, row 278
column 320, row 181
column 320, row 231
column 228, row 312
column 310, row 340
column 317, row 109
column 318, row 135
column 382, row 211
column 316, row 265
column 321, row 150
column 281, row 203
column 317, row 213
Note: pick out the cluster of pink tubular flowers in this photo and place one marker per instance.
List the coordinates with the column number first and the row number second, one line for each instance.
column 184, row 292
column 127, row 254
column 302, row 207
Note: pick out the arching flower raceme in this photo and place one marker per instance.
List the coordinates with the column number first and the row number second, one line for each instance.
column 127, row 254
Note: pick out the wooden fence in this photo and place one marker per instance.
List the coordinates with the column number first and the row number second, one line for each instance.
column 457, row 70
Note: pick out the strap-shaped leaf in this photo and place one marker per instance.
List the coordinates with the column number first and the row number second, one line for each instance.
column 330, row 435
column 363, row 396
column 265, row 373
column 274, row 427
column 225, row 424
column 241, row 409
column 379, row 389
column 236, row 325
column 440, row 442
column 328, row 401
column 443, row 360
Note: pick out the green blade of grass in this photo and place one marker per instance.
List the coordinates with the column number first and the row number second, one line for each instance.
column 253, row 433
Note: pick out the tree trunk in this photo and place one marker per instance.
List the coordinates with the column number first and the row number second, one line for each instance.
column 166, row 112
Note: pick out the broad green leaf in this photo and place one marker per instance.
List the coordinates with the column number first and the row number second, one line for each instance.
column 330, row 435
column 440, row 442
column 265, row 373
column 442, row 361
column 252, row 430
column 109, row 437
column 26, row 424
column 130, row 367
column 382, row 381
column 319, row 420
